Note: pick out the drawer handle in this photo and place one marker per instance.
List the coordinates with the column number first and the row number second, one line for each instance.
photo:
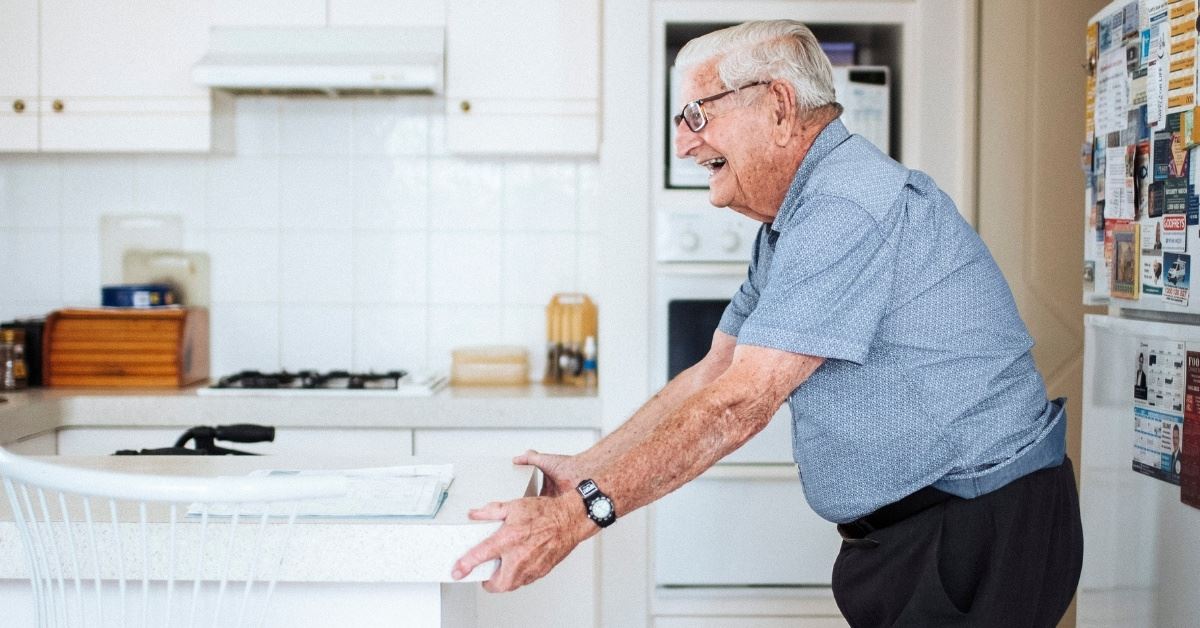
column 57, row 105
column 18, row 105
column 465, row 106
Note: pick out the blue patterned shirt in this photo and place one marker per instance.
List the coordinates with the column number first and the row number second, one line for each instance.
column 927, row 379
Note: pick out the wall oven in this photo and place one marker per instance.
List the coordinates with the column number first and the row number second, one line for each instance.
column 744, row 523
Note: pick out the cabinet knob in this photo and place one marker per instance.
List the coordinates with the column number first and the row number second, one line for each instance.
column 465, row 106
column 18, row 105
column 57, row 105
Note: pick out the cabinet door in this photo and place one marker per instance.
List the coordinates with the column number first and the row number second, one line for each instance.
column 522, row 77
column 387, row 12
column 18, row 75
column 268, row 13
column 116, row 76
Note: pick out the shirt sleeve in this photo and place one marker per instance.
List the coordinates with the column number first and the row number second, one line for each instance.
column 828, row 284
column 746, row 298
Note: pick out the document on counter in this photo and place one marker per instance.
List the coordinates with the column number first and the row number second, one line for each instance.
column 413, row 491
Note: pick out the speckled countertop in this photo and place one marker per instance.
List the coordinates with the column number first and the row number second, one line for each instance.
column 39, row 411
column 370, row 550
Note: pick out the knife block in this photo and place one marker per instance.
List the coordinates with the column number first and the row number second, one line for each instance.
column 571, row 319
column 126, row 348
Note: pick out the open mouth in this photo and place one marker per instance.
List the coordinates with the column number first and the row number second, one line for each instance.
column 714, row 165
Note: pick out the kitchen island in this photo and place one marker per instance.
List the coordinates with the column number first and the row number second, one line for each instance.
column 452, row 424
column 354, row 572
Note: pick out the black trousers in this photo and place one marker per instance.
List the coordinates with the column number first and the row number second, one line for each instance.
column 1008, row 559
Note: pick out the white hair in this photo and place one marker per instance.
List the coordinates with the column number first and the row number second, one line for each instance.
column 766, row 50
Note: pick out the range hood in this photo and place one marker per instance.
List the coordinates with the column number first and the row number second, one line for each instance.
column 330, row 60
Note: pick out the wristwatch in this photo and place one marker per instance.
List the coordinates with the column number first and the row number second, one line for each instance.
column 599, row 506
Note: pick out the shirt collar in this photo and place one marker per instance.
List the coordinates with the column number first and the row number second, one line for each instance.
column 828, row 139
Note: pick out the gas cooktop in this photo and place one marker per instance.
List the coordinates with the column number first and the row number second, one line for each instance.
column 328, row 382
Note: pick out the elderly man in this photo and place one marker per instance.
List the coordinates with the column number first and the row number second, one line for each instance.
column 920, row 423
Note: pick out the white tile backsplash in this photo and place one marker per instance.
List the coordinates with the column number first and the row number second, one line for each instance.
column 93, row 186
column 316, row 126
column 465, row 194
column 464, row 268
column 390, row 267
column 388, row 337
column 539, row 196
column 340, row 232
column 242, row 193
column 244, row 266
column 249, row 337
column 316, row 267
column 35, row 265
column 536, row 265
column 80, row 258
column 391, row 193
column 30, row 193
column 314, row 193
column 317, row 337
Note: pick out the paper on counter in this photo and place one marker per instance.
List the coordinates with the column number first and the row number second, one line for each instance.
column 412, row 491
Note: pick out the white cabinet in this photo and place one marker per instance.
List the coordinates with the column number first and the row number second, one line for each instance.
column 523, row 77
column 317, row 13
column 567, row 595
column 18, row 75
column 103, row 76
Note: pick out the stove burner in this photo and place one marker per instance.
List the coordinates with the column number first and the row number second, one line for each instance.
column 335, row 380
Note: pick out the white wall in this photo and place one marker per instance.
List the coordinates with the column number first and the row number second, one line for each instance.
column 341, row 234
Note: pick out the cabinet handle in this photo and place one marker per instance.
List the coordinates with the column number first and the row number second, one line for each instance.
column 18, row 105
column 465, row 106
column 57, row 105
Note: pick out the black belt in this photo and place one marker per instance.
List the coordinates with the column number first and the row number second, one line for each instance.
column 891, row 514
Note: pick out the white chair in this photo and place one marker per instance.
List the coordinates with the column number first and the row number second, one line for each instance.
column 90, row 536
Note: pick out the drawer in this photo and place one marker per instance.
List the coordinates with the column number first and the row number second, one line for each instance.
column 742, row 525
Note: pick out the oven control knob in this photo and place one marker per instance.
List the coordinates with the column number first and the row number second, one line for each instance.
column 730, row 241
column 689, row 241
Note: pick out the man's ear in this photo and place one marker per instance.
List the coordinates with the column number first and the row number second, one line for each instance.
column 784, row 116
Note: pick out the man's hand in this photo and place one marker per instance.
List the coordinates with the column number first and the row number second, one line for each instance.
column 561, row 474
column 538, row 532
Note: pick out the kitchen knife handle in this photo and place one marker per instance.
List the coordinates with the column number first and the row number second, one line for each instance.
column 245, row 433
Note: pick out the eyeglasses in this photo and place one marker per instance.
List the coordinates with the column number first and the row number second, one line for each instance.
column 693, row 112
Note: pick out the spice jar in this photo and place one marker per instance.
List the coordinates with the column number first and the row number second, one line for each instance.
column 13, row 372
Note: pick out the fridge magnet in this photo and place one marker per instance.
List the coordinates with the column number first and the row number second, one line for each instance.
column 1126, row 261
column 1174, row 233
column 1159, row 396
column 1158, row 376
column 1152, row 237
column 1116, row 181
column 1152, row 270
column 1176, row 283
column 1189, row 468
column 1154, row 433
column 1141, row 180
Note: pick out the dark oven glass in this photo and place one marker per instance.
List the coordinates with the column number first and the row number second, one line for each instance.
column 690, row 327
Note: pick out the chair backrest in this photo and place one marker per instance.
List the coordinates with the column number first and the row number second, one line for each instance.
column 107, row 548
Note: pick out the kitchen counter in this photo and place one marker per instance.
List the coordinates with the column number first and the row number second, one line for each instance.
column 411, row 559
column 33, row 412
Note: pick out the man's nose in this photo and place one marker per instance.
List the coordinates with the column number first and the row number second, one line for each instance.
column 686, row 140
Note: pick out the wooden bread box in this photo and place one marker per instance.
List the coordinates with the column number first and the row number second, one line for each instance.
column 126, row 348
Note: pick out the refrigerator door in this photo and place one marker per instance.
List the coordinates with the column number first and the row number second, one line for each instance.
column 1140, row 555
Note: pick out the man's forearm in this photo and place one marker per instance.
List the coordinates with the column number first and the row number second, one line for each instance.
column 654, row 411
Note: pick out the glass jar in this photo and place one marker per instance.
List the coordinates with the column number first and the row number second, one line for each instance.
column 13, row 372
